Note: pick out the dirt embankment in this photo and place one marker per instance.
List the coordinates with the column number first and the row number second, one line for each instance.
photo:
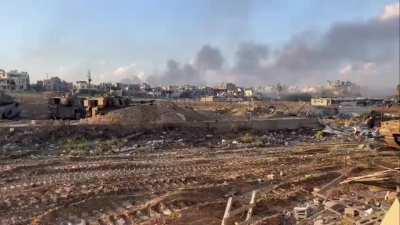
column 252, row 109
column 158, row 113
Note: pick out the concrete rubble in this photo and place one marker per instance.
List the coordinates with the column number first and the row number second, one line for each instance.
column 181, row 169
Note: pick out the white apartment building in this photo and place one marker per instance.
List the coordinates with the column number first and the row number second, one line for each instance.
column 14, row 80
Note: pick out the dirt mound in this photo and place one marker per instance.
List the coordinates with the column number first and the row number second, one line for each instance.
column 253, row 109
column 158, row 113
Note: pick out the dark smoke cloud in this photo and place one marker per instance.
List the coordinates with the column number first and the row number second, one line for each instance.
column 176, row 74
column 181, row 74
column 209, row 58
column 375, row 40
column 305, row 61
column 370, row 40
column 249, row 57
column 345, row 51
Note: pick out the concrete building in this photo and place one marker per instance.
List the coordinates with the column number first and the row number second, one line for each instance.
column 7, row 84
column 249, row 93
column 21, row 79
column 81, row 84
column 344, row 88
column 105, row 86
column 145, row 87
column 3, row 74
column 227, row 86
column 14, row 80
column 54, row 84
column 229, row 90
column 321, row 101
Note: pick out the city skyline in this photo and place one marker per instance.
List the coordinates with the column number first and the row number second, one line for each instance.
column 249, row 42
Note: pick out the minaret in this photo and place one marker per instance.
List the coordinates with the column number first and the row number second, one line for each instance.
column 89, row 75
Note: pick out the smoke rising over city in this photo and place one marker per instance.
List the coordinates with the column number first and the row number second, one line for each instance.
column 366, row 52
column 199, row 112
column 218, row 41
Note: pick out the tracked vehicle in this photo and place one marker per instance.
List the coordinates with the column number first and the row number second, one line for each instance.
column 9, row 108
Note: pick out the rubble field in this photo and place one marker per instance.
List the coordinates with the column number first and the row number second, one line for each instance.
column 104, row 175
column 171, row 163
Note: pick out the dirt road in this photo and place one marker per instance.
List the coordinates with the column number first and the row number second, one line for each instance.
column 189, row 186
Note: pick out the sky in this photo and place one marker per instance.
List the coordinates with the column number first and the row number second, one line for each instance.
column 252, row 42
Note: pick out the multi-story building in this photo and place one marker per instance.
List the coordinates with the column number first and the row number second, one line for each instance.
column 145, row 87
column 249, row 92
column 20, row 78
column 3, row 74
column 14, row 80
column 55, row 84
column 105, row 86
column 7, row 84
column 229, row 90
column 344, row 88
column 81, row 85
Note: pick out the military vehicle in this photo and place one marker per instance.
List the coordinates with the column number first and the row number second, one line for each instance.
column 9, row 108
column 101, row 105
column 68, row 107
column 75, row 108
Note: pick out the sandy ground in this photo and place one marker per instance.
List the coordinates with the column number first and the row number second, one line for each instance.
column 187, row 186
column 108, row 174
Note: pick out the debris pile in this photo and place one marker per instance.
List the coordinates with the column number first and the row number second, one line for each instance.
column 116, row 169
column 158, row 113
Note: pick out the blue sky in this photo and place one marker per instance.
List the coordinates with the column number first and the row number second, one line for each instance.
column 67, row 37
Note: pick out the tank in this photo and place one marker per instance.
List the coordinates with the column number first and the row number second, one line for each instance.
column 9, row 108
column 69, row 107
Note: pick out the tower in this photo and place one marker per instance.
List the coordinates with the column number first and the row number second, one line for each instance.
column 89, row 76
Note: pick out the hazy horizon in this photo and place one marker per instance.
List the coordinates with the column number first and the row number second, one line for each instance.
column 247, row 42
